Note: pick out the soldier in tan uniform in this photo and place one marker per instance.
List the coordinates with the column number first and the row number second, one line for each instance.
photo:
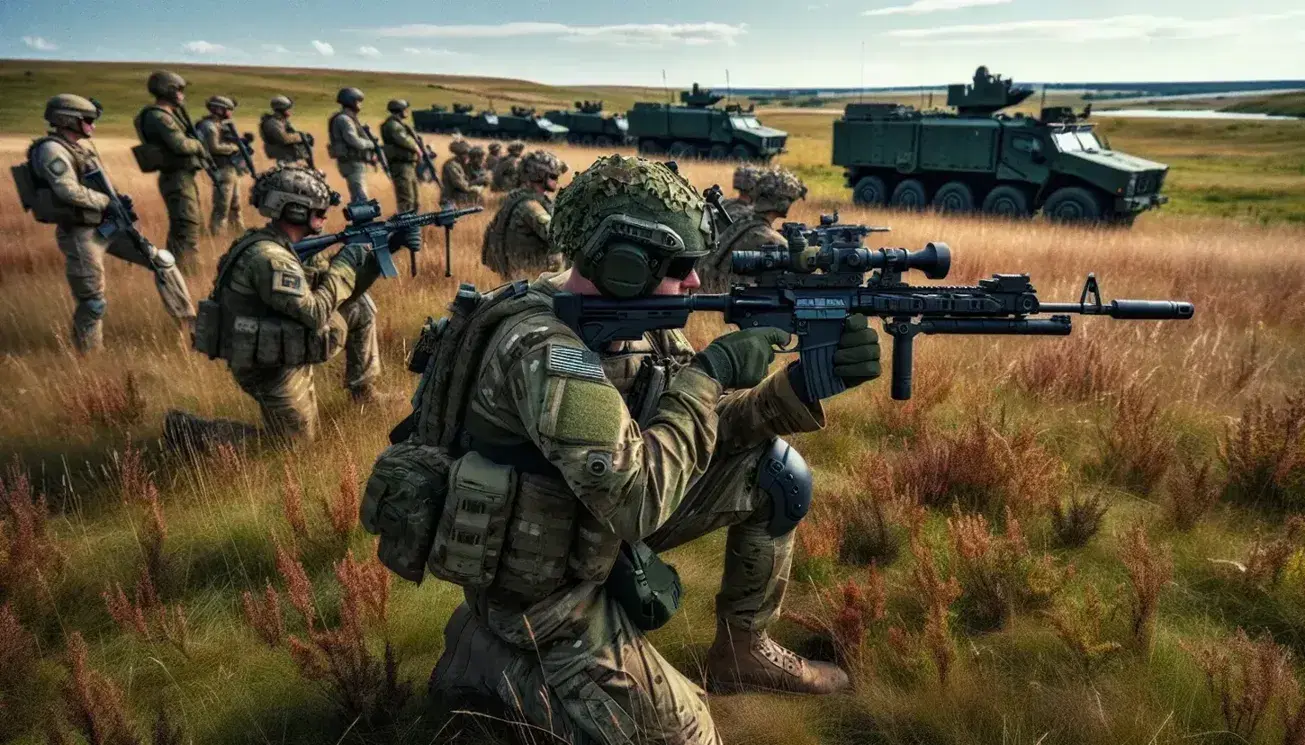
column 476, row 172
column 495, row 155
column 281, row 141
column 775, row 192
column 167, row 147
column 403, row 152
column 596, row 469
column 225, row 151
column 516, row 241
column 745, row 180
column 58, row 163
column 273, row 319
column 351, row 150
column 505, row 176
column 454, row 180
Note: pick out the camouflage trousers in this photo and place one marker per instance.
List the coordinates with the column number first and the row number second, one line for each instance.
column 181, row 196
column 83, row 251
column 227, row 196
column 407, row 196
column 575, row 663
column 355, row 175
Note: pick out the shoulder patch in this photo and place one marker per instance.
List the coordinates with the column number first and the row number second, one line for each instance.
column 57, row 166
column 573, row 362
column 287, row 283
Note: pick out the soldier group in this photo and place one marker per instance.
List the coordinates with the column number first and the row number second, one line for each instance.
column 600, row 468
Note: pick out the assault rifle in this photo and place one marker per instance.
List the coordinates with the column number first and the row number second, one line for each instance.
column 810, row 285
column 119, row 219
column 210, row 165
column 425, row 162
column 365, row 227
column 242, row 145
column 376, row 148
column 307, row 142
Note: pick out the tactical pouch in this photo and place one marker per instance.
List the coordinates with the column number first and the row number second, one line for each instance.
column 402, row 504
column 207, row 335
column 540, row 536
column 150, row 158
column 469, row 537
column 244, row 342
column 647, row 588
column 596, row 548
column 270, row 342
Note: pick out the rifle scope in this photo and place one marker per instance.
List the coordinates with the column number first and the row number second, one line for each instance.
column 935, row 260
column 362, row 211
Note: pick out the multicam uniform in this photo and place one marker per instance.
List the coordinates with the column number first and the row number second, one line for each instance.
column 403, row 152
column 455, row 184
column 181, row 159
column 506, row 175
column 280, row 140
column 352, row 152
column 227, row 196
column 772, row 193
column 516, row 240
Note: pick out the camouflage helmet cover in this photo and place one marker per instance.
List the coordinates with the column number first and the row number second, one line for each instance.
column 396, row 105
column 164, row 83
column 516, row 147
column 67, row 109
column 290, row 184
column 745, row 179
column 220, row 102
column 282, row 103
column 495, row 148
column 634, row 187
column 540, row 165
column 776, row 191
column 349, row 96
column 459, row 146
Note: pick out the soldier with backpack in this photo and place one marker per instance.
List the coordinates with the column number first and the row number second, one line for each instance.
column 516, row 241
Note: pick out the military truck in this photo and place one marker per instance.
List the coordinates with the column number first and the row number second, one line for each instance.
column 979, row 160
column 461, row 119
column 589, row 127
column 696, row 129
column 524, row 124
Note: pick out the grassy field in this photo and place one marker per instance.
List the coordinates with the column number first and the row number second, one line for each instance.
column 1282, row 104
column 1046, row 622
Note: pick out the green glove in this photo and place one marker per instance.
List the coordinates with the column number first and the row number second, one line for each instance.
column 857, row 358
column 740, row 359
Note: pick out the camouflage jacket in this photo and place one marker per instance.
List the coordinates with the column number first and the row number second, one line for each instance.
column 60, row 163
column 400, row 142
column 516, row 241
column 211, row 131
column 346, row 139
column 280, row 140
column 456, row 186
column 507, row 175
column 157, row 126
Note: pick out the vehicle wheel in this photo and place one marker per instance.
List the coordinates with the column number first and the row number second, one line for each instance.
column 651, row 147
column 680, row 149
column 719, row 152
column 742, row 152
column 870, row 191
column 1072, row 204
column 602, row 141
column 909, row 195
column 955, row 197
column 1007, row 201
column 587, row 140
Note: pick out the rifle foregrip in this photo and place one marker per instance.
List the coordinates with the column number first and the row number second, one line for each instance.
column 903, row 363
column 1150, row 309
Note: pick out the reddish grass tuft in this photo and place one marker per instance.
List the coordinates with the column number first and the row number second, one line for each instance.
column 1149, row 570
column 998, row 573
column 264, row 616
column 1268, row 558
column 1079, row 368
column 107, row 403
column 937, row 594
column 29, row 556
column 1193, row 489
column 1264, row 452
column 1137, row 449
column 292, row 503
column 1247, row 676
column 1073, row 523
column 1079, row 627
column 848, row 614
column 18, row 659
column 342, row 509
column 95, row 705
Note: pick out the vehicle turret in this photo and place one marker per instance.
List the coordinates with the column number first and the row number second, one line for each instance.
column 700, row 98
column 986, row 95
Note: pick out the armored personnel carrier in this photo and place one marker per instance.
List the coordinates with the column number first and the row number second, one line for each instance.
column 697, row 129
column 588, row 126
column 524, row 124
column 978, row 159
column 461, row 119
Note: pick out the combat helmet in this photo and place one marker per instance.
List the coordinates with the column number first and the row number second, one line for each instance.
column 476, row 152
column 396, row 106
column 626, row 223
column 291, row 193
column 69, row 109
column 516, row 147
column 349, row 96
column 745, row 179
column 164, row 84
column 540, row 165
column 459, row 146
column 495, row 148
column 282, row 103
column 220, row 102
column 776, row 190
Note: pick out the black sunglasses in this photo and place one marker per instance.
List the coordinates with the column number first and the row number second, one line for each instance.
column 680, row 267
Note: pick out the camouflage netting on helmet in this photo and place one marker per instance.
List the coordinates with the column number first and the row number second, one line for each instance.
column 745, row 178
column 67, row 109
column 639, row 188
column 777, row 190
column 538, row 165
column 289, row 184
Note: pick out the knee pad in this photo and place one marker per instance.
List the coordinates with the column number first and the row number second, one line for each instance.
column 95, row 307
column 785, row 476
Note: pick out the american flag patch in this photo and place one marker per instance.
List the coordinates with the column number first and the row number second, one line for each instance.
column 575, row 362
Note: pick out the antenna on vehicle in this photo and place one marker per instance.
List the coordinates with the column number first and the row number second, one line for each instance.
column 1044, row 97
column 860, row 95
column 729, row 91
column 665, row 87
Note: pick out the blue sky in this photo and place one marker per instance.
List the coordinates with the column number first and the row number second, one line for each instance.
column 761, row 42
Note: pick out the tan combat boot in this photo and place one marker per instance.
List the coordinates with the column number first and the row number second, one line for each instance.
column 741, row 660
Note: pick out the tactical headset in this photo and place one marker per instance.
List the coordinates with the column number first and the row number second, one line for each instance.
column 626, row 257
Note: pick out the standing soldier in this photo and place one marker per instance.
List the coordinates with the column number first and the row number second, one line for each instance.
column 169, row 147
column 495, row 155
column 281, row 142
column 745, row 180
column 351, row 150
column 55, row 191
column 774, row 193
column 273, row 319
column 505, row 176
column 403, row 152
column 222, row 146
column 516, row 240
column 476, row 172
column 456, row 185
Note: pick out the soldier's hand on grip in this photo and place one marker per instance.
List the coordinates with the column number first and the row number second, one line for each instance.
column 857, row 358
column 741, row 359
column 354, row 255
column 409, row 238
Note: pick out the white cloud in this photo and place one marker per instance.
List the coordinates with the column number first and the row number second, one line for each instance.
column 1115, row 28
column 367, row 51
column 202, row 47
column 324, row 49
column 629, row 34
column 429, row 52
column 40, row 43
column 920, row 7
column 275, row 49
